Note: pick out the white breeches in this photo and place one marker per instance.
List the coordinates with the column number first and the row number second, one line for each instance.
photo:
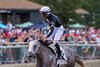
column 57, row 34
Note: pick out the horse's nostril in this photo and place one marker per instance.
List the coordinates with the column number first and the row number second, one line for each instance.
column 30, row 54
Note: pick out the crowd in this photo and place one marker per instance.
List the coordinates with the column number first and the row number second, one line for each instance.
column 71, row 35
column 16, row 34
column 82, row 36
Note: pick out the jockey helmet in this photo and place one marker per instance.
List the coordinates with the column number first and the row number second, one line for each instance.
column 45, row 9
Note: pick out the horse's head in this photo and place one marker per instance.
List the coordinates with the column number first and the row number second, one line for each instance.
column 34, row 46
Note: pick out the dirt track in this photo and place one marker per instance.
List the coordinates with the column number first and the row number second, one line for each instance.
column 93, row 63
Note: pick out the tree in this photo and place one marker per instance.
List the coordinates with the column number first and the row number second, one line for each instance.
column 93, row 7
column 65, row 9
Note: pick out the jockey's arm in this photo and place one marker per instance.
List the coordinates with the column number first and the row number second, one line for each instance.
column 51, row 31
column 44, row 38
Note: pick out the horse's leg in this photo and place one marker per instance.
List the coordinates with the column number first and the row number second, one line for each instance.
column 79, row 61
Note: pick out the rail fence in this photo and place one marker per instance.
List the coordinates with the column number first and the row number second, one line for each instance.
column 17, row 53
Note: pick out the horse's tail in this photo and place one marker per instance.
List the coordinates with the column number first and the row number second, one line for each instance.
column 79, row 60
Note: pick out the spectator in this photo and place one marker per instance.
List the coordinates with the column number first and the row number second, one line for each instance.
column 10, row 26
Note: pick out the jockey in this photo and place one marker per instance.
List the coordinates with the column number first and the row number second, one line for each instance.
column 56, row 29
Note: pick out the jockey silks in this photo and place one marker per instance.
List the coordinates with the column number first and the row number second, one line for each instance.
column 56, row 29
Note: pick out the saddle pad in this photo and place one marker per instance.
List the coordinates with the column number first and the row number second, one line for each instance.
column 61, row 62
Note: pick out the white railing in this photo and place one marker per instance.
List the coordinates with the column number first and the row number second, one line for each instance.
column 11, row 51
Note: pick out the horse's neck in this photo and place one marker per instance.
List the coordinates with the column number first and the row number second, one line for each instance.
column 43, row 52
column 45, row 57
column 44, row 49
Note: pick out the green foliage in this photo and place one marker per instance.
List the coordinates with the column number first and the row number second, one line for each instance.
column 65, row 10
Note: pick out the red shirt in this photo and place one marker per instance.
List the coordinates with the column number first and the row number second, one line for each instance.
column 6, row 34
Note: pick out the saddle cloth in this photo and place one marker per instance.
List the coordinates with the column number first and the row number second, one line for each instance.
column 61, row 62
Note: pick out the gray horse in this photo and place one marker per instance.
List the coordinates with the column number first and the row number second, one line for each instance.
column 46, row 57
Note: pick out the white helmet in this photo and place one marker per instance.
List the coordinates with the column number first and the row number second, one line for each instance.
column 45, row 9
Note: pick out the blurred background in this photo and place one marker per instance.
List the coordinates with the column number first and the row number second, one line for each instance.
column 21, row 22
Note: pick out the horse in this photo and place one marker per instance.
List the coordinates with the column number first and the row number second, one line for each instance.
column 46, row 57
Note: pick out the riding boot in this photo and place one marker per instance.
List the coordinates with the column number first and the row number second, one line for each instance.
column 60, row 52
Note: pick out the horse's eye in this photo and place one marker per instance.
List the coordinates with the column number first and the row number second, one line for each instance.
column 35, row 47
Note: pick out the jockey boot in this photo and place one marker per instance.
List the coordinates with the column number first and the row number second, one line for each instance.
column 60, row 52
